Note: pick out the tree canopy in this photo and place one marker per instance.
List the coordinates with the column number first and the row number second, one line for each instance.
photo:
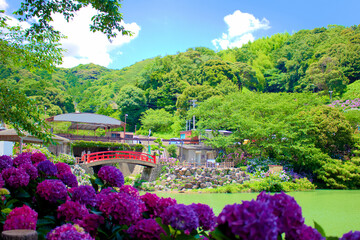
column 37, row 48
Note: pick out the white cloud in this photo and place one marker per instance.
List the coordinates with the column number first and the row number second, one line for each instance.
column 3, row 5
column 84, row 46
column 240, row 28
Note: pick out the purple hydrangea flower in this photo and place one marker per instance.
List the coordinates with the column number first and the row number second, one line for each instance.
column 31, row 170
column 351, row 236
column 129, row 190
column 111, row 175
column 250, row 220
column 68, row 231
column 103, row 193
column 69, row 179
column 146, row 229
column 62, row 168
column 22, row 158
column 84, row 195
column 181, row 217
column 15, row 177
column 90, row 223
column 52, row 190
column 150, row 201
column 2, row 182
column 206, row 216
column 47, row 168
column 72, row 210
column 123, row 208
column 21, row 218
column 162, row 204
column 286, row 209
column 304, row 233
column 5, row 162
column 38, row 157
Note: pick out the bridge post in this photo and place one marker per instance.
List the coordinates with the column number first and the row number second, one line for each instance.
column 146, row 174
column 124, row 168
column 150, row 174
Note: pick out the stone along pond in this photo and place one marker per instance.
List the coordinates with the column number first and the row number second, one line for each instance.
column 337, row 211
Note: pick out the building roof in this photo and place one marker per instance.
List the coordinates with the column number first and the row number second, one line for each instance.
column 12, row 136
column 87, row 121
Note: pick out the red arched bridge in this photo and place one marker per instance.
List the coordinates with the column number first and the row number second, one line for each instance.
column 111, row 157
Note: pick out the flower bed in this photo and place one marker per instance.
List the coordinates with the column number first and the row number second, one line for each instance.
column 39, row 195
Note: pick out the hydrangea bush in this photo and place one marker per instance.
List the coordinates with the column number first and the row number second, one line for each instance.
column 43, row 196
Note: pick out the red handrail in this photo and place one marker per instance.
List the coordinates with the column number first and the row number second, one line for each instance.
column 107, row 155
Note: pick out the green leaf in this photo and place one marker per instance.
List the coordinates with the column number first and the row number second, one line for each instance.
column 332, row 238
column 42, row 222
column 165, row 227
column 10, row 203
column 319, row 228
column 218, row 235
column 6, row 210
column 22, row 194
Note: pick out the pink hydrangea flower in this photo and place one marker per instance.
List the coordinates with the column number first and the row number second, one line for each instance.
column 129, row 190
column 72, row 210
column 63, row 168
column 21, row 218
column 38, row 157
column 90, row 223
column 68, row 231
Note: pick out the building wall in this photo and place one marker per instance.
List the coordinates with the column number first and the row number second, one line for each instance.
column 6, row 148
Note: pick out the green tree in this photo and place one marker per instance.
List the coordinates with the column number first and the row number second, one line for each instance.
column 158, row 120
column 107, row 20
column 131, row 100
column 38, row 47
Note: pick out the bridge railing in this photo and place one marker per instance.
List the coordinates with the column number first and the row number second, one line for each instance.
column 109, row 155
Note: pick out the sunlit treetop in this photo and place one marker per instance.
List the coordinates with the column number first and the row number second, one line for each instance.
column 108, row 20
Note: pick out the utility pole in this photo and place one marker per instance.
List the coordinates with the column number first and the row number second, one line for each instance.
column 193, row 105
column 125, row 127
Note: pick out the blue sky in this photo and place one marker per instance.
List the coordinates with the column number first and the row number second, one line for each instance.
column 163, row 27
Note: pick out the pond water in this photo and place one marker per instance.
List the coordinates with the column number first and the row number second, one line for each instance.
column 337, row 211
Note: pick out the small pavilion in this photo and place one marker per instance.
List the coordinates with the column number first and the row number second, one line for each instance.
column 87, row 121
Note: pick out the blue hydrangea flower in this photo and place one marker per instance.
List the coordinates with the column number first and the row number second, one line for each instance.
column 5, row 162
column 84, row 195
column 206, row 216
column 145, row 229
column 286, row 209
column 251, row 220
column 47, row 168
column 181, row 217
column 111, row 175
column 351, row 236
column 69, row 179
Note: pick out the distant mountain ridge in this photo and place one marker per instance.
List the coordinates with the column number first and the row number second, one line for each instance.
column 318, row 60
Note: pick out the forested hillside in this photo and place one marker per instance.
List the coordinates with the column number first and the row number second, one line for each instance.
column 294, row 98
column 318, row 60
